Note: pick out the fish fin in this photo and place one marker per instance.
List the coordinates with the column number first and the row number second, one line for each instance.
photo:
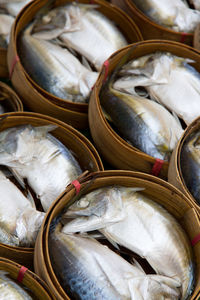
column 85, row 63
column 94, row 235
column 41, row 131
column 108, row 83
column 176, row 118
column 111, row 241
column 71, row 50
column 17, row 176
column 136, row 263
column 152, row 288
column 23, row 184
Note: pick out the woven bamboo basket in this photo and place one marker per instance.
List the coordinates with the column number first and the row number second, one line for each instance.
column 150, row 29
column 81, row 148
column 175, row 175
column 29, row 280
column 11, row 101
column 37, row 99
column 162, row 192
column 107, row 141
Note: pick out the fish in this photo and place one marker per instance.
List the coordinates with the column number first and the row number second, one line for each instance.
column 19, row 219
column 168, row 79
column 6, row 22
column 144, row 123
column 13, row 7
column 190, row 164
column 8, row 12
column 111, row 276
column 34, row 154
column 173, row 14
column 83, row 28
column 55, row 69
column 9, row 289
column 128, row 217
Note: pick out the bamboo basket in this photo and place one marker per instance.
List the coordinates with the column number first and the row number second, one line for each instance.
column 162, row 192
column 30, row 280
column 3, row 63
column 13, row 102
column 175, row 175
column 107, row 141
column 81, row 148
column 150, row 29
column 39, row 100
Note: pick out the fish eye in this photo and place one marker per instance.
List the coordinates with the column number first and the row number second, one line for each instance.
column 83, row 203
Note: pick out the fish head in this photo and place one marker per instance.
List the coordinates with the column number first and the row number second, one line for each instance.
column 193, row 146
column 94, row 203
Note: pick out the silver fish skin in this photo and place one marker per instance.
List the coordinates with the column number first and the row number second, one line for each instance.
column 10, row 290
column 169, row 80
column 72, row 257
column 8, row 239
column 6, row 22
column 145, row 124
column 85, row 30
column 13, row 7
column 174, row 14
column 145, row 228
column 19, row 220
column 38, row 156
column 55, row 69
column 190, row 164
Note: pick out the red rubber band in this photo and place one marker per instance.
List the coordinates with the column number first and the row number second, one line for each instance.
column 21, row 274
column 183, row 37
column 77, row 186
column 196, row 240
column 157, row 167
column 106, row 64
column 15, row 60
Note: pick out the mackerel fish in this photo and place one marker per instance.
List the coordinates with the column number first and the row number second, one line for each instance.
column 55, row 69
column 32, row 153
column 8, row 12
column 190, row 164
column 144, row 123
column 173, row 14
column 168, row 79
column 84, row 29
column 89, row 270
column 19, row 219
column 10, row 290
column 129, row 218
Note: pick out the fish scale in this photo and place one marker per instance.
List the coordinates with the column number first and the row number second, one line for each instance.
column 55, row 69
column 145, row 124
column 30, row 152
column 145, row 228
column 83, row 266
column 10, row 290
column 173, row 14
